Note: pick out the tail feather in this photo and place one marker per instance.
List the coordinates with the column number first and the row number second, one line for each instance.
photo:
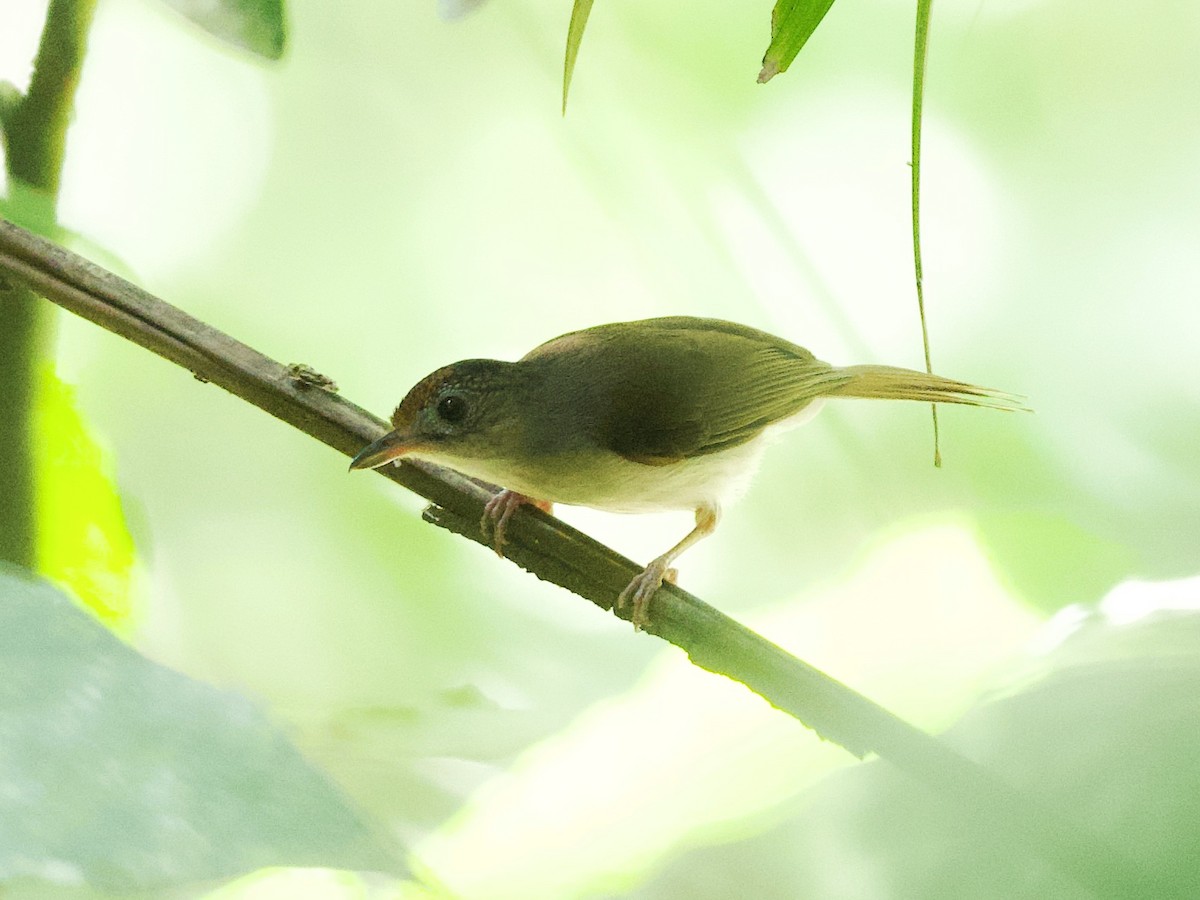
column 891, row 383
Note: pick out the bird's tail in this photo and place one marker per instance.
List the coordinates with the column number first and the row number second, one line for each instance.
column 891, row 383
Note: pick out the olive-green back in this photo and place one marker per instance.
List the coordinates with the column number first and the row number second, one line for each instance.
column 673, row 388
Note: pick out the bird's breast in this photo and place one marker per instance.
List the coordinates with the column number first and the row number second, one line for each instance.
column 610, row 482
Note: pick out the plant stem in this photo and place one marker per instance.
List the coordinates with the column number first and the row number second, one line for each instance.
column 920, row 53
column 35, row 129
column 21, row 334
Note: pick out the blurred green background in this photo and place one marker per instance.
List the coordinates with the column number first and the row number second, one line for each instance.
column 400, row 191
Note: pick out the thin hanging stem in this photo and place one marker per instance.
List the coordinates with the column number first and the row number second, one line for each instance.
column 920, row 52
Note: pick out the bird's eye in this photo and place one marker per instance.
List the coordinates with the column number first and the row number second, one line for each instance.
column 452, row 408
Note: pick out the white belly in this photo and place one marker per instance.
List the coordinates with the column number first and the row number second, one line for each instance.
column 629, row 487
column 617, row 485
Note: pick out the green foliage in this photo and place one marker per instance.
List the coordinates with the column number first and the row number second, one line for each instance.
column 254, row 25
column 1060, row 243
column 792, row 24
column 124, row 775
column 82, row 539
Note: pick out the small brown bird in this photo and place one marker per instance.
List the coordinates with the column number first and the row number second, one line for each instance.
column 631, row 417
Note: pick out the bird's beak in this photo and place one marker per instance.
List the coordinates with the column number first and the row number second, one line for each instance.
column 392, row 445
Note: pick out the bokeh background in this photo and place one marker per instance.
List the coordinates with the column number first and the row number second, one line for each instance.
column 401, row 191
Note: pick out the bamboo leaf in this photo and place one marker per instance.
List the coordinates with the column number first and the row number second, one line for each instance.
column 254, row 25
column 579, row 16
column 792, row 24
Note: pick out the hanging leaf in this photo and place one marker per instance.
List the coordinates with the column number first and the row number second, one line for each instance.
column 579, row 16
column 254, row 25
column 792, row 24
column 120, row 774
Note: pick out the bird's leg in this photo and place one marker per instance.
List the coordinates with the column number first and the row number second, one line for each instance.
column 499, row 509
column 642, row 588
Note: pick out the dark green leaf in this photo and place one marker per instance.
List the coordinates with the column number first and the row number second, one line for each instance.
column 119, row 773
column 254, row 25
column 792, row 24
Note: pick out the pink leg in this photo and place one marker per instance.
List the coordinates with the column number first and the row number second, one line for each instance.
column 643, row 587
column 499, row 509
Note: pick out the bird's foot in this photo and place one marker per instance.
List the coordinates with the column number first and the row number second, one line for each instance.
column 642, row 588
column 499, row 509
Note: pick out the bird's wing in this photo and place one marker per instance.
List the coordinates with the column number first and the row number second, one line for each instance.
column 680, row 387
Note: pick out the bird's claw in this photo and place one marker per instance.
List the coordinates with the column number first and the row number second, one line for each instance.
column 643, row 587
column 496, row 513
column 499, row 509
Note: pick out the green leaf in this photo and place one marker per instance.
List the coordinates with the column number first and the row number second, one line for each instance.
column 118, row 773
column 254, row 25
column 579, row 16
column 83, row 542
column 1050, row 558
column 792, row 24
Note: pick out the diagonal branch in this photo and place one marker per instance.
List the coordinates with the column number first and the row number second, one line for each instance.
column 556, row 552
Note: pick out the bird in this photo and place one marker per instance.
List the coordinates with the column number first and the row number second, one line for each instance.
column 659, row 414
